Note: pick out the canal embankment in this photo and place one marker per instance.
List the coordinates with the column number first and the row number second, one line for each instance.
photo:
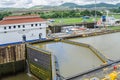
column 12, row 59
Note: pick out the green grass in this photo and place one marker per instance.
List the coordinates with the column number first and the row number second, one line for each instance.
column 68, row 21
column 117, row 16
column 114, row 27
column 63, row 21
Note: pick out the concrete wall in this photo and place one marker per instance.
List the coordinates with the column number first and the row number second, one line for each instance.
column 95, row 51
column 12, row 53
column 12, row 68
column 57, row 28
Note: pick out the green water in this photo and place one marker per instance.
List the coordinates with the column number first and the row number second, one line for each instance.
column 72, row 59
column 108, row 44
column 21, row 76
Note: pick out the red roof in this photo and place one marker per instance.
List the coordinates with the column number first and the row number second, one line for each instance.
column 20, row 19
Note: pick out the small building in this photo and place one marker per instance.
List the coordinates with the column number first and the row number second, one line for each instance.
column 106, row 21
column 18, row 29
column 110, row 21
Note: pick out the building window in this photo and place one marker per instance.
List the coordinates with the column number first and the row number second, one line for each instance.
column 39, row 24
column 4, row 28
column 23, row 26
column 9, row 27
column 36, row 24
column 31, row 25
column 18, row 26
column 14, row 26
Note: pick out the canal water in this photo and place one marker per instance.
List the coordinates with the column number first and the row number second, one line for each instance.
column 108, row 44
column 21, row 76
column 72, row 59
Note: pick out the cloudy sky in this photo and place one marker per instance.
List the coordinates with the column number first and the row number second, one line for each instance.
column 30, row 3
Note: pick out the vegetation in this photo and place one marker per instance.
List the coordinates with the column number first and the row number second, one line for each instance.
column 68, row 21
column 62, row 21
column 4, row 14
column 69, row 14
column 117, row 16
column 65, row 14
column 115, row 10
column 90, row 13
column 63, row 17
column 114, row 27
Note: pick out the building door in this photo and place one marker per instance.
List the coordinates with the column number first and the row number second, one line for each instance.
column 24, row 38
column 40, row 35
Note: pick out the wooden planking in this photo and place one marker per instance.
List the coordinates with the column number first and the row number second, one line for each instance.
column 12, row 53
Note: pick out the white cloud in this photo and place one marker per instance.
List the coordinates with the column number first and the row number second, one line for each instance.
column 23, row 3
column 7, row 2
column 30, row 3
column 39, row 2
column 15, row 3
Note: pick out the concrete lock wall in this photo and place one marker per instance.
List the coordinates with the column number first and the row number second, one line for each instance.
column 40, row 63
column 12, row 53
column 12, row 59
column 12, row 68
column 95, row 51
column 57, row 28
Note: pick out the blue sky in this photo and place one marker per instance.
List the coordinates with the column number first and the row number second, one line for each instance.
column 30, row 3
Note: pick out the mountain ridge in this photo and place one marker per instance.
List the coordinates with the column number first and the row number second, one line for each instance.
column 67, row 5
column 91, row 5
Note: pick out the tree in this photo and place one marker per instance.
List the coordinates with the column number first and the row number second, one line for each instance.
column 4, row 14
column 85, row 13
column 97, row 13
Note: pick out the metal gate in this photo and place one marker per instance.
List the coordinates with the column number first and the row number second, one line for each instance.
column 40, row 62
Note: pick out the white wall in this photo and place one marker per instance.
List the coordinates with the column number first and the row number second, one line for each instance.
column 27, row 26
column 16, row 34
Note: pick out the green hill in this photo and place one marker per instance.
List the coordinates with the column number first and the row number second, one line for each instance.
column 106, row 5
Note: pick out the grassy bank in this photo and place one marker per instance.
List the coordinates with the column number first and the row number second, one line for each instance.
column 114, row 27
column 76, row 20
column 68, row 21
column 117, row 16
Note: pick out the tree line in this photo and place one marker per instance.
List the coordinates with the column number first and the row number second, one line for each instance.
column 115, row 10
column 57, row 14
column 4, row 14
column 66, row 14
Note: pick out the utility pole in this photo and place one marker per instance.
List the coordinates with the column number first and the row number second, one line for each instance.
column 62, row 13
column 95, row 15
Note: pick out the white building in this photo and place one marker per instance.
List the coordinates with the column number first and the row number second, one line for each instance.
column 110, row 21
column 18, row 29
